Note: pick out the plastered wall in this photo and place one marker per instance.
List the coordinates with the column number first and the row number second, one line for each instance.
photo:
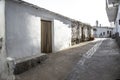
column 23, row 30
column 3, row 61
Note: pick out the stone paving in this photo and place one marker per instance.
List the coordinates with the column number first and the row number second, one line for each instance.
column 104, row 64
column 58, row 65
column 94, row 61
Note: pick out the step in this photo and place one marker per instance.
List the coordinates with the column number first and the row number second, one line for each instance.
column 25, row 64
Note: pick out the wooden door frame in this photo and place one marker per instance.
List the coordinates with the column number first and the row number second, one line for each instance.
column 47, row 33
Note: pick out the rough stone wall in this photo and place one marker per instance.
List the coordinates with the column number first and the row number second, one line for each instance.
column 89, row 32
column 80, row 32
column 76, row 32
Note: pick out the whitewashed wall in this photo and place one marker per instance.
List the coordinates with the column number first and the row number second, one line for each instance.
column 62, row 35
column 23, row 30
column 117, row 21
column 101, row 30
column 3, row 63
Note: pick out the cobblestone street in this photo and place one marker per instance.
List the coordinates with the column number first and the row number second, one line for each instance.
column 98, row 60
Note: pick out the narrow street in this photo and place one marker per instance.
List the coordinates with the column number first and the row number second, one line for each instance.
column 97, row 60
column 103, row 65
column 42, row 40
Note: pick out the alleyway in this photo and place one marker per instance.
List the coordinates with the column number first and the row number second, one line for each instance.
column 79, row 63
column 103, row 65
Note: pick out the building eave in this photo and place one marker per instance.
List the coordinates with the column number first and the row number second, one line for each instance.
column 112, row 13
column 51, row 12
column 112, row 1
column 40, row 8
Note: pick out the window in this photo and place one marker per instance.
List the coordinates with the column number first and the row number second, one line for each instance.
column 107, row 32
column 103, row 33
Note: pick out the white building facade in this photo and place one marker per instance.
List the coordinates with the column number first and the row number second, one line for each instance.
column 113, row 12
column 103, row 32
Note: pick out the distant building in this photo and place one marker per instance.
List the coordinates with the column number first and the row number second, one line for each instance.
column 103, row 32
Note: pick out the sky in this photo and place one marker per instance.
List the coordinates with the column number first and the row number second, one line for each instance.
column 87, row 11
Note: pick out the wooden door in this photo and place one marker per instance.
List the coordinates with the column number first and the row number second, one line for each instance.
column 46, row 36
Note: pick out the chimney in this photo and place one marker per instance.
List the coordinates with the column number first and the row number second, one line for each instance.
column 97, row 23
